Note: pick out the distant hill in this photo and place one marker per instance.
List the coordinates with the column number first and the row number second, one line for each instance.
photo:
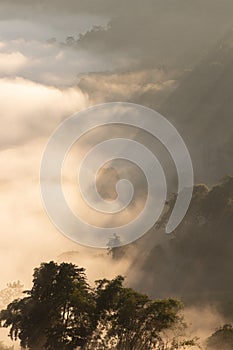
column 196, row 263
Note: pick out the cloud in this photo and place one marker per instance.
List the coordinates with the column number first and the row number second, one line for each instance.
column 38, row 90
column 47, row 63
column 137, row 86
column 29, row 113
column 30, row 110
column 41, row 21
column 10, row 63
column 27, row 235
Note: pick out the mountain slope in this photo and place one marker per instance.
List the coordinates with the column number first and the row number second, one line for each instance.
column 197, row 263
column 202, row 109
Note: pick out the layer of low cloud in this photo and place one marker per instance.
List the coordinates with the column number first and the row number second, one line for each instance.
column 30, row 110
column 48, row 63
column 140, row 86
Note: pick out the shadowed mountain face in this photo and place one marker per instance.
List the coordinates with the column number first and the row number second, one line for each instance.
column 201, row 107
column 196, row 264
column 199, row 102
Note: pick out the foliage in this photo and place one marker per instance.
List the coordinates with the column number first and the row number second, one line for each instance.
column 56, row 313
column 128, row 320
column 62, row 312
column 12, row 291
column 197, row 259
column 222, row 338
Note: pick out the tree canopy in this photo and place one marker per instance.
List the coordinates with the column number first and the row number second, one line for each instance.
column 222, row 338
column 62, row 311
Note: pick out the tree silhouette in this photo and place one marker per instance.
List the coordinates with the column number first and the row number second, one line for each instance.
column 62, row 312
column 222, row 338
column 128, row 320
column 56, row 314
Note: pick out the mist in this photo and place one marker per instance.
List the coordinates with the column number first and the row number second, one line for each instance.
column 175, row 57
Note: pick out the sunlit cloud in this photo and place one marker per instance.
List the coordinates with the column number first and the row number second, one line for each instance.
column 30, row 110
